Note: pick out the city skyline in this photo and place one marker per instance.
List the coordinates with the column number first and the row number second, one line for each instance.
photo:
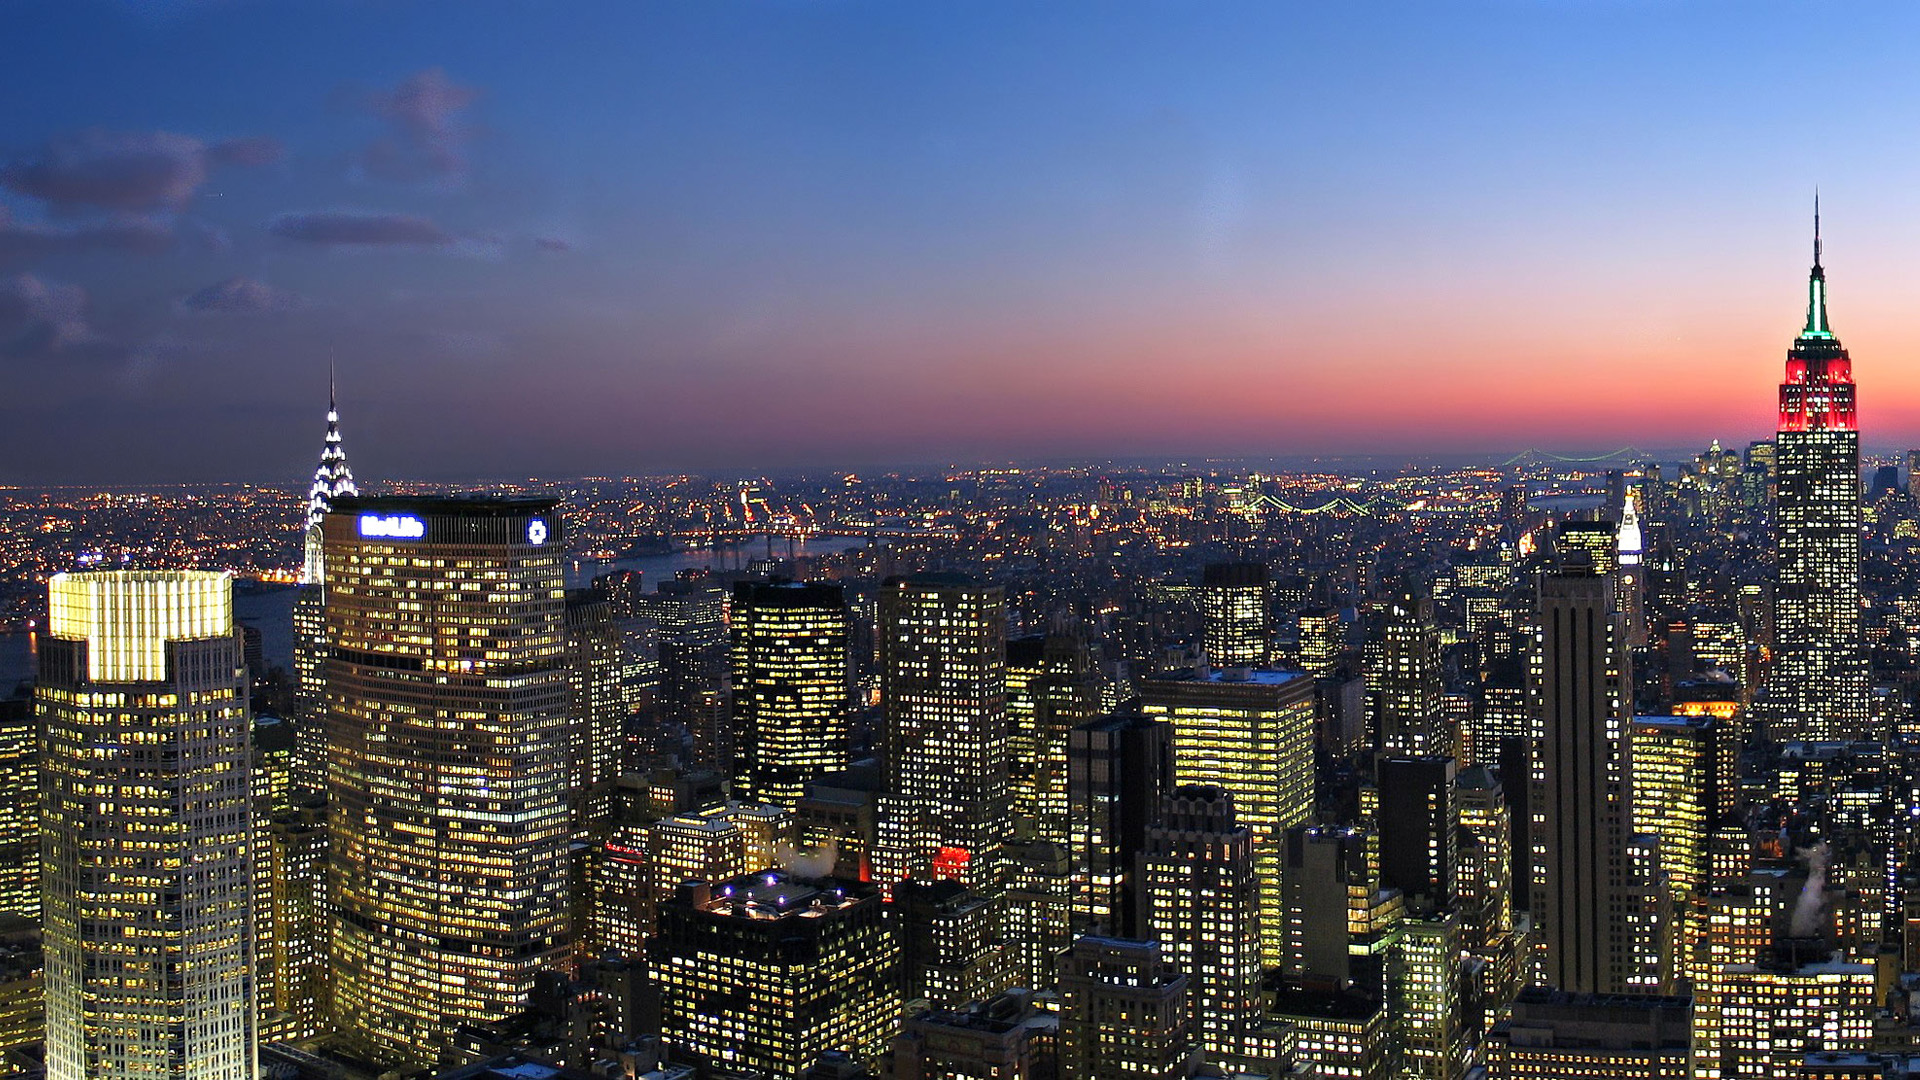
column 638, row 240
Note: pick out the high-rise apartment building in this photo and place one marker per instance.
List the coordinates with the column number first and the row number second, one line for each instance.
column 943, row 694
column 448, row 716
column 792, row 683
column 1250, row 732
column 1200, row 901
column 1234, row 620
column 769, row 972
column 1819, row 683
column 148, row 830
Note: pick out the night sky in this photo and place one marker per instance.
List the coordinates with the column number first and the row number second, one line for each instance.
column 633, row 237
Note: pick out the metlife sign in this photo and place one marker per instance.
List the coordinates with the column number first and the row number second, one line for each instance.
column 392, row 527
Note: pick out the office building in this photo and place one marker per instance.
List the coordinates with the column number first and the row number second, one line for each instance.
column 1338, row 922
column 1123, row 1012
column 951, row 950
column 148, row 830
column 332, row 479
column 1234, row 620
column 1322, row 641
column 1006, row 1038
column 769, row 972
column 294, row 932
column 596, row 716
column 448, row 715
column 1052, row 688
column 1418, row 823
column 1581, row 683
column 1200, row 901
column 19, row 810
column 1759, row 1021
column 1038, row 925
column 1402, row 664
column 688, row 617
column 943, row 694
column 1554, row 1035
column 1250, row 732
column 792, row 686
column 1819, row 682
column 1119, row 769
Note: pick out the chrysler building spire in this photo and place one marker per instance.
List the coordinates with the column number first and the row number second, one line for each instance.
column 330, row 481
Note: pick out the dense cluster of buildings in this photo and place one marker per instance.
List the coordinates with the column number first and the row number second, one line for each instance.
column 1572, row 771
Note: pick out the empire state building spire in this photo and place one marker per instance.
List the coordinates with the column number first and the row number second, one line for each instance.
column 1817, row 327
column 330, row 481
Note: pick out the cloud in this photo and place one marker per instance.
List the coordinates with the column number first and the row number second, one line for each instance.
column 339, row 228
column 38, row 317
column 551, row 243
column 142, row 236
column 240, row 295
column 137, row 172
column 427, row 139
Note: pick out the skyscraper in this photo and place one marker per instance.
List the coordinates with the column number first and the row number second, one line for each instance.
column 943, row 692
column 1118, row 770
column 332, row 479
column 1199, row 899
column 1818, row 687
column 148, row 830
column 1580, row 686
column 19, row 810
column 1123, row 1012
column 1052, row 687
column 1233, row 613
column 1403, row 679
column 792, row 677
column 447, row 718
column 1251, row 732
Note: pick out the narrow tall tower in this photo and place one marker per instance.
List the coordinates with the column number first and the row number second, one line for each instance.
column 147, row 830
column 331, row 480
column 1819, row 685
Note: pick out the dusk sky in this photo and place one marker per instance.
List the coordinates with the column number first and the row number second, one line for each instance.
column 632, row 237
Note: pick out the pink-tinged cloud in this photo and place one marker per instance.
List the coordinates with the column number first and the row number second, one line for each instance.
column 339, row 228
column 138, row 172
column 428, row 139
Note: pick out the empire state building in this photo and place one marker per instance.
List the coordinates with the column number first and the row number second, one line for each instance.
column 1818, row 688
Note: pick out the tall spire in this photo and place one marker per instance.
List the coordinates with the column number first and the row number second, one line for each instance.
column 1817, row 326
column 330, row 481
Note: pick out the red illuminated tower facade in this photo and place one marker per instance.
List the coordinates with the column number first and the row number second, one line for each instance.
column 1818, row 687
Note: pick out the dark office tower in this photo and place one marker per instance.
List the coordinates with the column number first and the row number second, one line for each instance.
column 293, row 930
column 1419, row 827
column 19, row 810
column 596, row 713
column 148, row 830
column 1118, row 770
column 448, row 723
column 1052, row 687
column 792, row 677
column 765, row 973
column 951, row 953
column 1200, row 900
column 1818, row 686
column 1123, row 1012
column 1233, row 614
column 332, row 479
column 1250, row 732
column 1403, row 679
column 943, row 688
column 1580, row 799
column 690, row 623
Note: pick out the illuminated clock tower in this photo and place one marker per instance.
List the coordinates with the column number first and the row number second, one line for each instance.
column 1818, row 687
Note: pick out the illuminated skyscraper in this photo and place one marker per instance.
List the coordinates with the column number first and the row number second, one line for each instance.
column 1403, row 680
column 943, row 691
column 792, row 678
column 19, row 810
column 448, row 712
column 951, row 952
column 1052, row 687
column 1250, row 732
column 294, row 930
column 148, row 830
column 1233, row 612
column 765, row 973
column 1818, row 687
column 332, row 479
column 1199, row 900
column 596, row 715
column 1119, row 769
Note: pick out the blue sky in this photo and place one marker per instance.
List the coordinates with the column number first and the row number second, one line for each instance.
column 630, row 237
